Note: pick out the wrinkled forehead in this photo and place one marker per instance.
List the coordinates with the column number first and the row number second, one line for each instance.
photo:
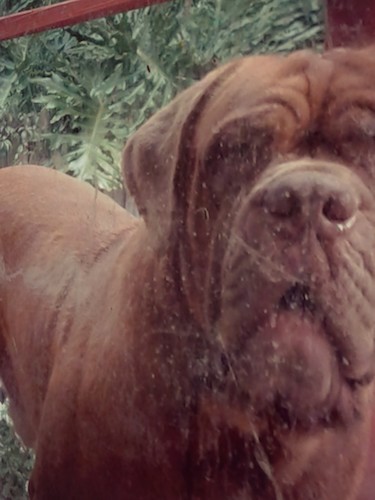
column 262, row 81
column 303, row 82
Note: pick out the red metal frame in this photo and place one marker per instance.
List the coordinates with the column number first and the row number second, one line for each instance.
column 349, row 22
column 65, row 14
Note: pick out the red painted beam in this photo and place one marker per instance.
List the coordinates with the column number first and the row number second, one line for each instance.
column 349, row 22
column 65, row 14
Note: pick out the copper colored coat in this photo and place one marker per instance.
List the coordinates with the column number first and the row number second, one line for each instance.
column 221, row 346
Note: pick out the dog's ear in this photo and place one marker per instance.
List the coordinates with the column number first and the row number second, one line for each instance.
column 158, row 160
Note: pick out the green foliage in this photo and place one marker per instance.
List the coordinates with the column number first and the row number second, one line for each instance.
column 15, row 461
column 70, row 98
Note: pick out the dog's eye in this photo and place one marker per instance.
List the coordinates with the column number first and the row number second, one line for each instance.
column 235, row 155
column 239, row 139
column 230, row 150
column 238, row 158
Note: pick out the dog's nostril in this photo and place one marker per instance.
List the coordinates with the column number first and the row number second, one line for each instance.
column 339, row 208
column 307, row 201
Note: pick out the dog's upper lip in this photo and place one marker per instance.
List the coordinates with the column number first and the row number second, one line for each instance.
column 355, row 376
column 299, row 297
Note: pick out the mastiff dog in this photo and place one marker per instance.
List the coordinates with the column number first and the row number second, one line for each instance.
column 220, row 346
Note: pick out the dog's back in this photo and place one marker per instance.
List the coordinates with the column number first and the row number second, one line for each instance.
column 55, row 234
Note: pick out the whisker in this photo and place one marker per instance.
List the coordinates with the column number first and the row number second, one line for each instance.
column 228, row 360
column 268, row 264
column 265, row 464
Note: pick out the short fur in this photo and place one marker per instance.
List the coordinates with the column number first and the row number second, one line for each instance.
column 221, row 346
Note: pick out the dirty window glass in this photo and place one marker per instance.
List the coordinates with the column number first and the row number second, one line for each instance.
column 69, row 100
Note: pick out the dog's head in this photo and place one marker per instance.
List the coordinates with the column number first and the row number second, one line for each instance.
column 262, row 175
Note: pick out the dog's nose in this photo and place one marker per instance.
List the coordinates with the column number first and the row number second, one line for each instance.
column 326, row 202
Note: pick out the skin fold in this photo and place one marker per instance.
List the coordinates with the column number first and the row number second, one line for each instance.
column 221, row 345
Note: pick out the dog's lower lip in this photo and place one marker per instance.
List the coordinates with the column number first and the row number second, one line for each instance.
column 306, row 332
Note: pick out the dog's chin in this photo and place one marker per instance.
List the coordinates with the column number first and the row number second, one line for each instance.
column 288, row 372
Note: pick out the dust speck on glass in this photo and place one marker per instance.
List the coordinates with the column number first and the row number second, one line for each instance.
column 69, row 99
